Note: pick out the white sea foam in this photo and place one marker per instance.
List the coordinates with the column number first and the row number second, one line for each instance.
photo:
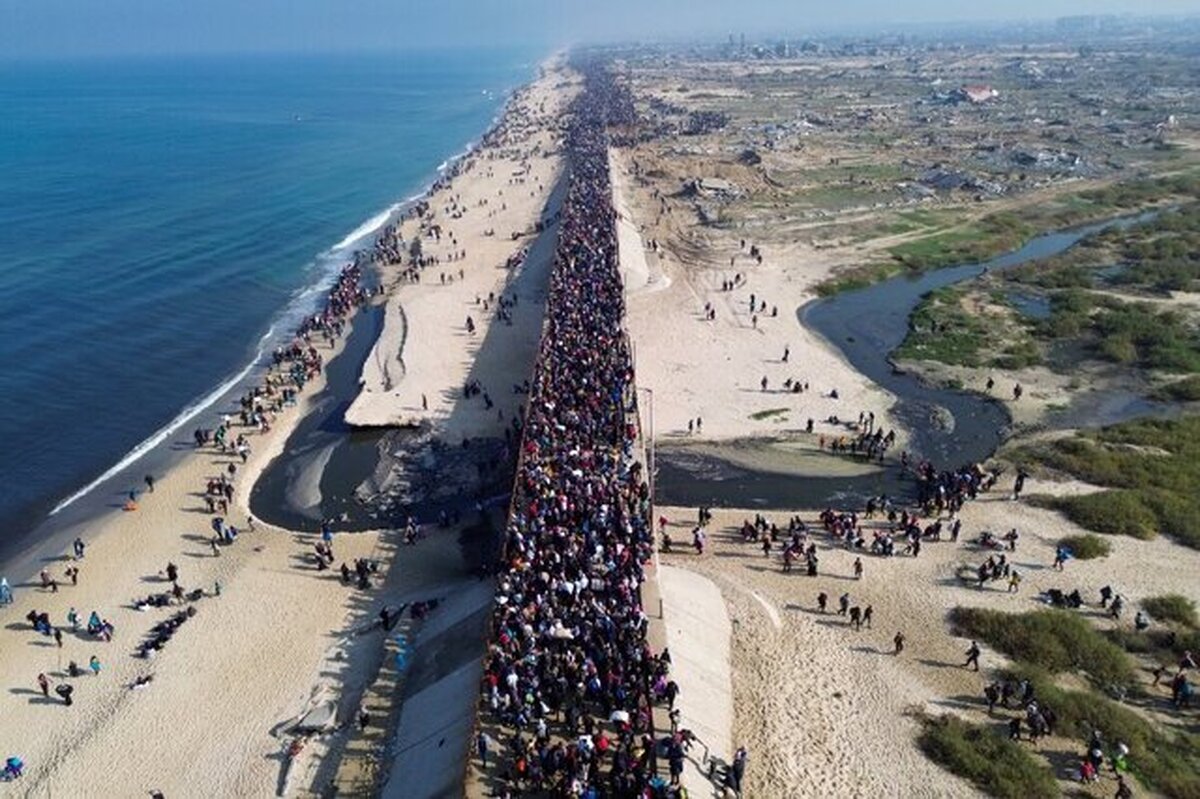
column 303, row 302
column 185, row 416
column 367, row 228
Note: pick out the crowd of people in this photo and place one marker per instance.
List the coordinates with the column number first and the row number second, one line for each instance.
column 569, row 676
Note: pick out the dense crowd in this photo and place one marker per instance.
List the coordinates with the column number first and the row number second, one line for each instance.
column 569, row 675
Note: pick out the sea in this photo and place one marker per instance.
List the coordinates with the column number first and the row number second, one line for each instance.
column 164, row 222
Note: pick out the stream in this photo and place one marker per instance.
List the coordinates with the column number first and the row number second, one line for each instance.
column 947, row 426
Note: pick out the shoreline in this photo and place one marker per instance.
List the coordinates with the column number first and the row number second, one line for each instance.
column 276, row 656
column 58, row 518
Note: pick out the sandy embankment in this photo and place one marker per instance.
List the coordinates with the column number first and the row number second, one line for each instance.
column 698, row 634
column 713, row 370
column 425, row 351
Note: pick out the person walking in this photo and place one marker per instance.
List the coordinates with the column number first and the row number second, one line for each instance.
column 6, row 594
column 973, row 656
column 65, row 690
column 858, row 568
column 898, row 641
column 738, row 770
column 44, row 683
column 94, row 665
column 481, row 746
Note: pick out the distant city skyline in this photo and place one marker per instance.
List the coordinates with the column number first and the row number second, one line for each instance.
column 66, row 28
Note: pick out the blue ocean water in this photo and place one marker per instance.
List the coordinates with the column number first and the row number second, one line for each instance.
column 162, row 219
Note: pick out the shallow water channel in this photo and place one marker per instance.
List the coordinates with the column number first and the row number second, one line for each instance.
column 948, row 426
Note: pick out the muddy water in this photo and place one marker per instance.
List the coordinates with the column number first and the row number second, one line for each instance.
column 950, row 427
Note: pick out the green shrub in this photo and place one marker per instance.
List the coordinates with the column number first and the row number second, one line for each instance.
column 987, row 759
column 1171, row 607
column 1154, row 465
column 1119, row 512
column 1086, row 546
column 1054, row 640
column 1185, row 390
column 1167, row 763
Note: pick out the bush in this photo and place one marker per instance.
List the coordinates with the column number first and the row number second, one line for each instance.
column 1185, row 390
column 1169, row 764
column 1086, row 546
column 1120, row 512
column 1054, row 640
column 1172, row 607
column 1162, row 644
column 988, row 760
column 1154, row 464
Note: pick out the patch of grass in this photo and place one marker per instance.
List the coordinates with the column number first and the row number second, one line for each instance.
column 1172, row 608
column 1054, row 640
column 857, row 278
column 1185, row 390
column 1019, row 354
column 940, row 329
column 1152, row 467
column 1164, row 644
column 758, row 416
column 1006, row 230
column 943, row 328
column 1170, row 764
column 1118, row 512
column 988, row 760
column 1123, row 332
column 967, row 244
column 1087, row 546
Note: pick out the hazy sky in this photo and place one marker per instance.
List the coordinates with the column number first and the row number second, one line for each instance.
column 87, row 27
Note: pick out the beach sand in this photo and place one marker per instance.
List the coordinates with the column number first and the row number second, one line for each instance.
column 248, row 660
column 712, row 369
column 425, row 350
column 826, row 711
column 281, row 636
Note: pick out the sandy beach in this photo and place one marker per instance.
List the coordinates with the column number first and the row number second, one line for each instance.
column 272, row 637
column 489, row 211
column 821, row 706
column 712, row 370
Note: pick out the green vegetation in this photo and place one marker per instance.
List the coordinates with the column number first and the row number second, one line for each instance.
column 1087, row 546
column 758, row 416
column 1172, row 608
column 1161, row 255
column 1045, row 643
column 1167, row 763
column 1172, row 262
column 987, row 759
column 1122, row 332
column 857, row 278
column 943, row 329
column 1054, row 640
column 940, row 329
column 1165, row 643
column 1153, row 467
column 1185, row 390
column 1110, row 512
